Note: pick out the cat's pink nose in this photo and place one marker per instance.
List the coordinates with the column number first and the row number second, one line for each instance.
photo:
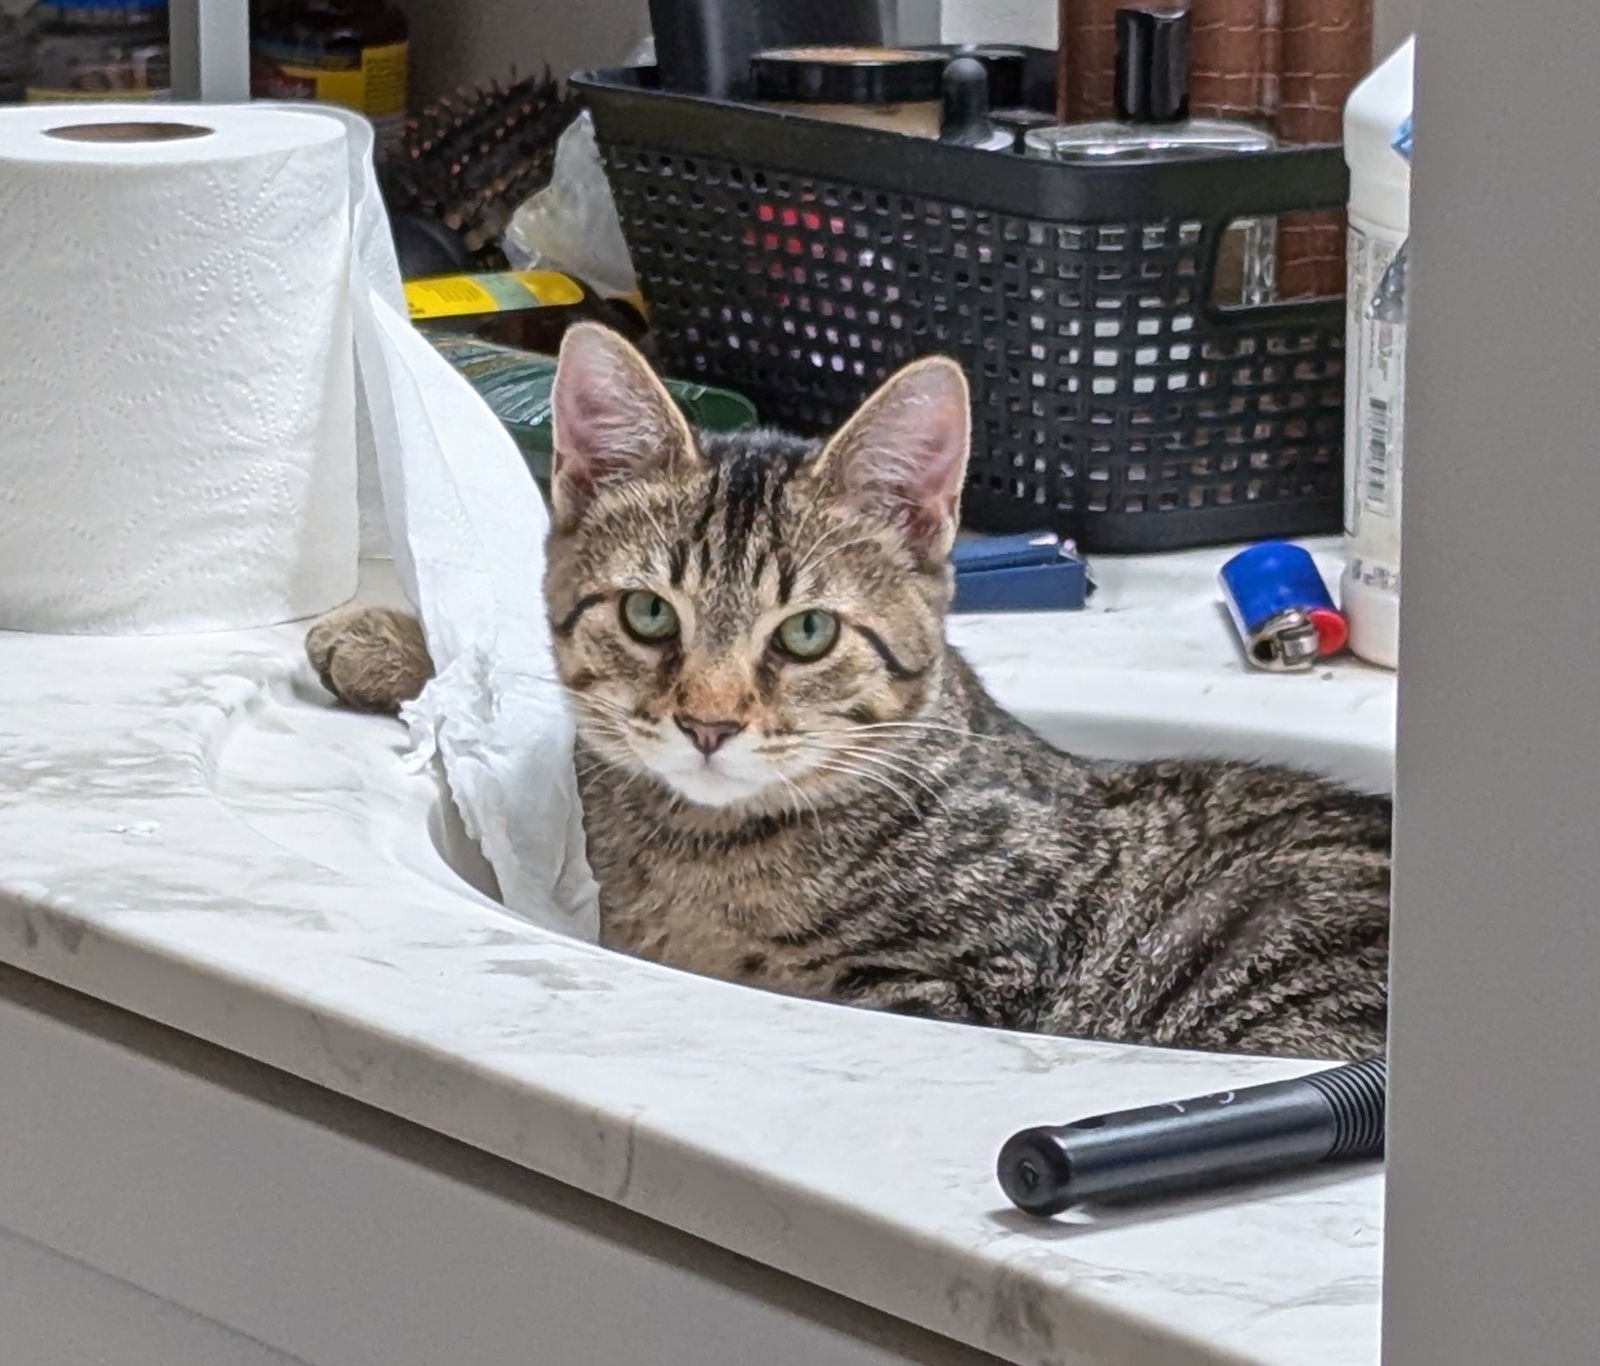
column 708, row 736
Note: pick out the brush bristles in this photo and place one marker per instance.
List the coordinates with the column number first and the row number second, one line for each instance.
column 471, row 158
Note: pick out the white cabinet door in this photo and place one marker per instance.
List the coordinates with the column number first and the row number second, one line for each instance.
column 1493, row 1254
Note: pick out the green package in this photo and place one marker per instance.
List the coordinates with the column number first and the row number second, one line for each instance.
column 517, row 384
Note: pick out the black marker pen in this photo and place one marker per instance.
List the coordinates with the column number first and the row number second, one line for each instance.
column 1185, row 1145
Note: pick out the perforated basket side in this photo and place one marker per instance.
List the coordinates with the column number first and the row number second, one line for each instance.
column 1109, row 401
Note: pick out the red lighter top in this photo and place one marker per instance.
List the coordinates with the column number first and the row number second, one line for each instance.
column 1333, row 631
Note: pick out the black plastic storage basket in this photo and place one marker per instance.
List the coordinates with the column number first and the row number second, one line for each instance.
column 801, row 261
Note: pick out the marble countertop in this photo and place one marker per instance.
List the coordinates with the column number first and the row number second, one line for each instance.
column 190, row 831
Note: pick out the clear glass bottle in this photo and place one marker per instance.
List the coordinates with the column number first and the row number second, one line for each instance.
column 98, row 50
column 1152, row 95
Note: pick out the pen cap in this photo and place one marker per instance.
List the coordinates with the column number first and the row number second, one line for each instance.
column 1206, row 1140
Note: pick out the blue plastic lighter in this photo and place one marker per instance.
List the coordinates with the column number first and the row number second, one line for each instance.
column 1281, row 607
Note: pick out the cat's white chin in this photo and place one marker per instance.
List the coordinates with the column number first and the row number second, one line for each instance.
column 708, row 787
column 730, row 777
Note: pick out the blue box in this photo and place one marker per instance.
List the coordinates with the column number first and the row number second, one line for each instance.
column 1031, row 572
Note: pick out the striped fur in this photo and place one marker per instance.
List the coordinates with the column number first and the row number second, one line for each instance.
column 880, row 832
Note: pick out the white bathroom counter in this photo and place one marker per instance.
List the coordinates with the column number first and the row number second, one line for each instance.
column 1153, row 668
column 189, row 831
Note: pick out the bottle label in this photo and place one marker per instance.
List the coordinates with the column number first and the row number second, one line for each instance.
column 127, row 61
column 1374, row 414
column 466, row 296
column 373, row 84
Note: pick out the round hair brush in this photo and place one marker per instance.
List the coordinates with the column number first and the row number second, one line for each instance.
column 465, row 164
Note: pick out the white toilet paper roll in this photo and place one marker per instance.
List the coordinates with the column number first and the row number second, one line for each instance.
column 177, row 413
column 177, row 444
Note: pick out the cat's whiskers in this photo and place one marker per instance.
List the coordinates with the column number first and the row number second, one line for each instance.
column 597, row 760
column 894, row 729
column 616, row 714
column 602, row 734
column 809, row 563
column 897, row 768
column 787, row 749
column 602, row 759
column 810, row 805
column 845, row 769
column 655, row 523
column 818, row 546
column 672, row 807
column 597, row 700
column 825, row 543
column 632, row 776
column 810, row 748
column 612, row 724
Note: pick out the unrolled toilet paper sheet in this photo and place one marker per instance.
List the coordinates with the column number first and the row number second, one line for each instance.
column 467, row 527
column 439, row 478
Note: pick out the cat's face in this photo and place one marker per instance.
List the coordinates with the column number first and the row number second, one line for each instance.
column 739, row 619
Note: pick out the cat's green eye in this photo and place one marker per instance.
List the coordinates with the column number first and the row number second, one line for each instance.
column 807, row 635
column 649, row 617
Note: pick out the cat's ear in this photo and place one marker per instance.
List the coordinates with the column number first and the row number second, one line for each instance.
column 611, row 419
column 903, row 455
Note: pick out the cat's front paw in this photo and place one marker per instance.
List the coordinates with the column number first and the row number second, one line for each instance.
column 370, row 658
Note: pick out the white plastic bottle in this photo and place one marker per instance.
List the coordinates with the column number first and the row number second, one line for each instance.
column 1380, row 220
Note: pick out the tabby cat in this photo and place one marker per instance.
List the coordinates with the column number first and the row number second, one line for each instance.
column 790, row 780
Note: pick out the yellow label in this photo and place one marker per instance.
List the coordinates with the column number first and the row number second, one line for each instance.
column 550, row 287
column 463, row 296
column 447, row 296
column 376, row 88
column 385, row 69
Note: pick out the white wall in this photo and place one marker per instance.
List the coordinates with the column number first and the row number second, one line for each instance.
column 1000, row 21
column 457, row 41
column 1394, row 21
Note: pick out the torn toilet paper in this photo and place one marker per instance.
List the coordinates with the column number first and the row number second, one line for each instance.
column 191, row 287
column 467, row 526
